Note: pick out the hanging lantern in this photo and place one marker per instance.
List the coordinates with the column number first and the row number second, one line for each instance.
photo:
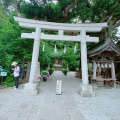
column 75, row 49
column 55, row 49
column 64, row 49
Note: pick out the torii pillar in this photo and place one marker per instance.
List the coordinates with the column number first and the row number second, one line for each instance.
column 31, row 87
column 85, row 90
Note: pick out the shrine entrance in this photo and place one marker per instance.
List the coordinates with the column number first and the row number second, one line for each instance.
column 32, row 87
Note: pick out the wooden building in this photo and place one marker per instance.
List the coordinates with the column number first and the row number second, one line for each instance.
column 104, row 56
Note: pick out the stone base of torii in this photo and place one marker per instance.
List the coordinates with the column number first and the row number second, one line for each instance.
column 31, row 88
column 86, row 91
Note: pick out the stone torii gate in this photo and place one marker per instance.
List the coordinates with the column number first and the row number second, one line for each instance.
column 31, row 87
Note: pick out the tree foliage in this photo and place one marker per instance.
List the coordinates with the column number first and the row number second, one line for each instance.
column 95, row 11
column 12, row 46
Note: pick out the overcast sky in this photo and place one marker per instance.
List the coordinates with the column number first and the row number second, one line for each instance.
column 26, row 0
column 118, row 34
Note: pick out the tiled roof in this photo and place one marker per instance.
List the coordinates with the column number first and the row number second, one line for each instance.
column 102, row 46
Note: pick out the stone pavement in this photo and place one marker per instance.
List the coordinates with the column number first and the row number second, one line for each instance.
column 68, row 106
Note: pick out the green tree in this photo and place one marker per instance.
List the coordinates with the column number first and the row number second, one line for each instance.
column 69, row 59
column 5, row 27
column 12, row 46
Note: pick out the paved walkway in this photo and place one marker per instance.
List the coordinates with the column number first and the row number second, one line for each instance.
column 68, row 106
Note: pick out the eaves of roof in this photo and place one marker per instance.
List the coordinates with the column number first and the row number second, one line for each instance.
column 102, row 46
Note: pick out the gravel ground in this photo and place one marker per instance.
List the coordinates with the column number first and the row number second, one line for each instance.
column 14, row 105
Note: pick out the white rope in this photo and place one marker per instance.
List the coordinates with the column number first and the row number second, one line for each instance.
column 75, row 49
column 64, row 49
column 43, row 48
column 55, row 49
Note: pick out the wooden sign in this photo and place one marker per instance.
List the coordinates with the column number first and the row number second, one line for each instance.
column 58, row 87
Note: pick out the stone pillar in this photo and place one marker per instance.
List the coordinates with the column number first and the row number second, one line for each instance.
column 94, row 69
column 113, row 70
column 85, row 88
column 31, row 87
column 84, row 59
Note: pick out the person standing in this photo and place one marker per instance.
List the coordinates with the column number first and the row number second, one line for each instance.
column 16, row 71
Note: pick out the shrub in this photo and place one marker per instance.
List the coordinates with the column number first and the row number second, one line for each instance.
column 51, row 70
column 64, row 70
column 45, row 73
column 9, row 81
column 73, row 65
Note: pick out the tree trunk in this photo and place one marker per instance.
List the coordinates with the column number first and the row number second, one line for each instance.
column 106, row 32
column 18, row 8
column 110, row 30
column 103, row 34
